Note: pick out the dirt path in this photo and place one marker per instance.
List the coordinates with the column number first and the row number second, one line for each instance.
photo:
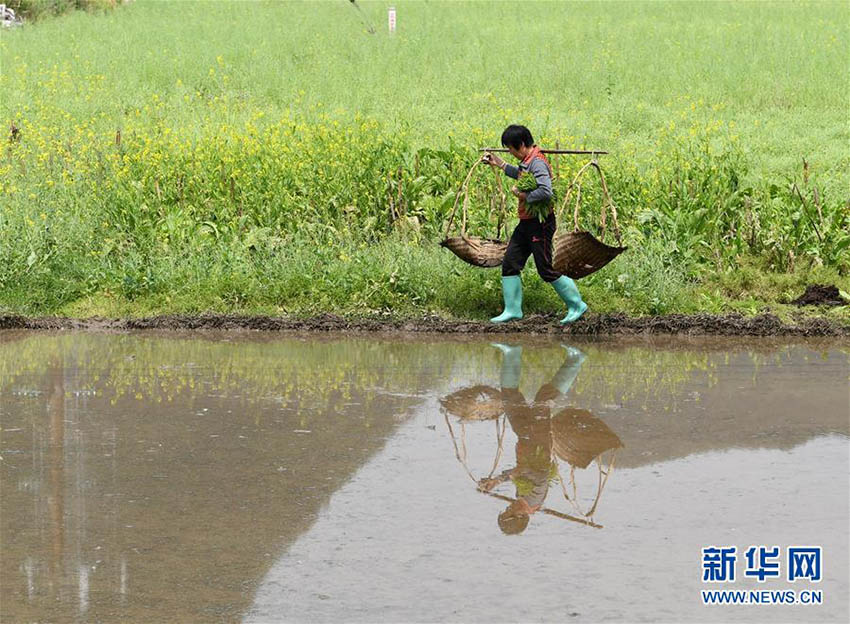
column 592, row 324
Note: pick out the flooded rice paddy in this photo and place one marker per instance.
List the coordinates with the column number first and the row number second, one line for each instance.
column 266, row 477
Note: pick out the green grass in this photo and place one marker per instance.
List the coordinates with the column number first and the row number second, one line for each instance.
column 274, row 157
column 400, row 278
column 615, row 73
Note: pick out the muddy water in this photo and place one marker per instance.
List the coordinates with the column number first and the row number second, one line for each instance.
column 263, row 478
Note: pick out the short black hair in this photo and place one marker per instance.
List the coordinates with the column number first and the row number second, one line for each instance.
column 512, row 524
column 516, row 136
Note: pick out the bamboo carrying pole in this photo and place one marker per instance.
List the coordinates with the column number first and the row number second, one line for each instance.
column 545, row 151
column 546, row 510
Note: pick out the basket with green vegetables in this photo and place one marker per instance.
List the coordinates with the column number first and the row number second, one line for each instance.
column 540, row 209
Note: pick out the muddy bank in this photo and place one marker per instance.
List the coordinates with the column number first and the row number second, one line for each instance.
column 592, row 324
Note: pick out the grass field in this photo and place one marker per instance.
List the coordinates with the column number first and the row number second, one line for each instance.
column 276, row 157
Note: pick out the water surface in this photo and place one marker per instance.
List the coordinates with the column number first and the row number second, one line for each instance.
column 264, row 477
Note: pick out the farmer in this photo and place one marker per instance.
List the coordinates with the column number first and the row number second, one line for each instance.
column 531, row 237
column 535, row 459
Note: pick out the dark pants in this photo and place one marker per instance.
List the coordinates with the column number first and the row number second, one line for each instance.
column 531, row 237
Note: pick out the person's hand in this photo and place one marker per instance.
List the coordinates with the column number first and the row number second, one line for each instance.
column 493, row 160
column 518, row 193
column 488, row 484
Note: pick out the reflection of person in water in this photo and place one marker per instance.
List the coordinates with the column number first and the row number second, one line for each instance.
column 532, row 423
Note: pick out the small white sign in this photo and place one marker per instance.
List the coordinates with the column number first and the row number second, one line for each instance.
column 391, row 18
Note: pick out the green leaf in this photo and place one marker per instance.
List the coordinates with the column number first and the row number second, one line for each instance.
column 207, row 228
column 256, row 237
column 842, row 244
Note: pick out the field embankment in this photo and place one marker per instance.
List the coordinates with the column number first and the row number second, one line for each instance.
column 274, row 158
column 590, row 325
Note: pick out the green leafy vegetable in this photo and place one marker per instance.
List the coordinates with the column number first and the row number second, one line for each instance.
column 540, row 209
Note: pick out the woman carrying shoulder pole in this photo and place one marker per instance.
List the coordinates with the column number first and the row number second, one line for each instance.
column 531, row 236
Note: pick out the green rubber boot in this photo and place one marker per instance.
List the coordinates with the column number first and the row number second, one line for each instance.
column 568, row 291
column 511, row 365
column 566, row 375
column 512, row 294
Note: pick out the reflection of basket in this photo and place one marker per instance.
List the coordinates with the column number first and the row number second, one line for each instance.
column 477, row 251
column 579, row 253
column 579, row 437
column 474, row 403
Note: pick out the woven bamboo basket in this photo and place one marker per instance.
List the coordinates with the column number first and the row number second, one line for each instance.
column 579, row 253
column 578, row 437
column 474, row 403
column 475, row 250
column 486, row 253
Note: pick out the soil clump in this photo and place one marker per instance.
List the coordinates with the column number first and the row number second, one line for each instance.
column 817, row 294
